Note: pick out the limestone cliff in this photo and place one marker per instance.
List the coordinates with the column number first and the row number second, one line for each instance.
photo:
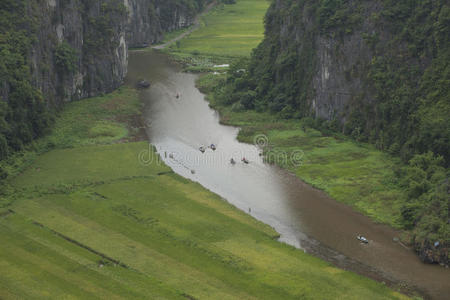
column 91, row 41
column 376, row 70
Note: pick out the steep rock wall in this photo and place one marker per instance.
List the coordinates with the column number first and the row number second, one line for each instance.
column 377, row 69
column 89, row 37
column 147, row 20
column 54, row 51
column 100, row 33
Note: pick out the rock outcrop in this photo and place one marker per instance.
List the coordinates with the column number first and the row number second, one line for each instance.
column 95, row 37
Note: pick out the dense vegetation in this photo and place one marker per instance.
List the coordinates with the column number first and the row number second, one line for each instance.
column 24, row 113
column 405, row 105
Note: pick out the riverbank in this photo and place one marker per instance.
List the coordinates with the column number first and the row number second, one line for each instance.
column 353, row 173
column 97, row 215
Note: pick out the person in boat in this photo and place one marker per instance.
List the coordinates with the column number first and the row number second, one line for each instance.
column 244, row 160
column 362, row 239
column 202, row 149
column 213, row 147
column 232, row 161
column 177, row 95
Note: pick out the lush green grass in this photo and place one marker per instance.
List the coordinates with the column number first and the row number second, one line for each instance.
column 168, row 36
column 89, row 219
column 102, row 120
column 228, row 30
column 173, row 236
column 350, row 172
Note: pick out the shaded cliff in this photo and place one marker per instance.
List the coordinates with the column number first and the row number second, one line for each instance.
column 376, row 70
column 99, row 32
column 54, row 51
column 147, row 20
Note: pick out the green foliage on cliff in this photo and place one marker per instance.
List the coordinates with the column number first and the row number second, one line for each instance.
column 24, row 114
column 426, row 209
column 65, row 58
column 100, row 29
column 404, row 104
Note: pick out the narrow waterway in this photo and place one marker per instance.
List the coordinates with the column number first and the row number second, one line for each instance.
column 305, row 217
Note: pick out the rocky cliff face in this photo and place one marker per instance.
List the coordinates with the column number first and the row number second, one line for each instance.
column 330, row 63
column 82, row 46
column 370, row 67
column 52, row 51
column 341, row 67
column 147, row 20
column 84, row 67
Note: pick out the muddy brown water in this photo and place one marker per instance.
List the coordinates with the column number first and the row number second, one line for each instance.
column 305, row 217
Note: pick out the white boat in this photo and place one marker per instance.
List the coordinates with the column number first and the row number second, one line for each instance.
column 362, row 239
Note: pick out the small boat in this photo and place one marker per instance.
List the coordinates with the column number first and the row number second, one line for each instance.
column 213, row 147
column 177, row 95
column 362, row 239
column 202, row 149
column 232, row 161
column 245, row 161
column 143, row 84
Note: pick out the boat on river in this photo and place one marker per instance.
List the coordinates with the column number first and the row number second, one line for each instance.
column 143, row 84
column 362, row 239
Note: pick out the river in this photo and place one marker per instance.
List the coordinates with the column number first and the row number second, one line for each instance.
column 305, row 217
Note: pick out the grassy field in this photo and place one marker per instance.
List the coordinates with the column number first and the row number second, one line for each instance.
column 228, row 30
column 88, row 219
column 101, row 120
column 227, row 33
column 353, row 173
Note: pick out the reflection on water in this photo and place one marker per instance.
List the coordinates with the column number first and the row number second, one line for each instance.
column 179, row 122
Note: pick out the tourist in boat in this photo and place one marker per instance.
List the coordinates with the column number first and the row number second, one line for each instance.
column 213, row 147
column 202, row 149
column 232, row 161
column 362, row 239
column 244, row 160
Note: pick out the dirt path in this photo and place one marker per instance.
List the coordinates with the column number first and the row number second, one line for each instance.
column 194, row 27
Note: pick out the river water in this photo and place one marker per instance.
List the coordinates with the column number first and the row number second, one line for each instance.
column 305, row 217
